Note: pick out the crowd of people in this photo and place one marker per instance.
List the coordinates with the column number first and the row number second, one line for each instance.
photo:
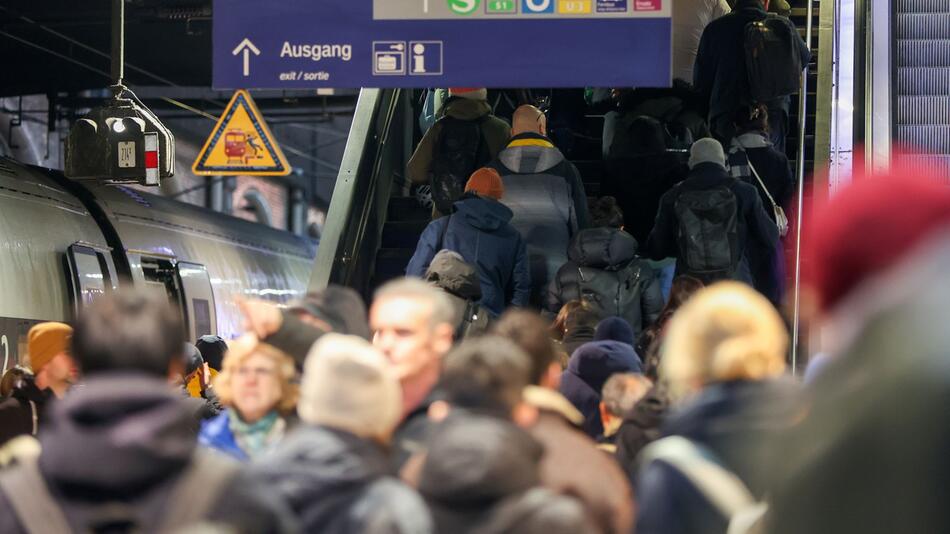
column 532, row 373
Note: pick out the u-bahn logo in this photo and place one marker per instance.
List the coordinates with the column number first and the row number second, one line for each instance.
column 537, row 6
column 463, row 7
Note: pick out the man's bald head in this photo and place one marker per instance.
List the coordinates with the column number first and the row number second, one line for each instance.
column 529, row 119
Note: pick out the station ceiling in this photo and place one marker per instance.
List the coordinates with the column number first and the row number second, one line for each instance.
column 49, row 46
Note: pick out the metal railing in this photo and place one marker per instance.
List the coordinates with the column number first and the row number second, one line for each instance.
column 802, row 128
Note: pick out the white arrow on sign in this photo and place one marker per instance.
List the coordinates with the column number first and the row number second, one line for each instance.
column 247, row 47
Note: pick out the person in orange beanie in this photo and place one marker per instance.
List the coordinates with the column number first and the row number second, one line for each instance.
column 53, row 374
column 480, row 230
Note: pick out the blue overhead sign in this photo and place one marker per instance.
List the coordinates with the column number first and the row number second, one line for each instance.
column 297, row 44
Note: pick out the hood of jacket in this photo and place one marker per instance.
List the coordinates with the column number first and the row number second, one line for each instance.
column 452, row 273
column 465, row 109
column 596, row 361
column 483, row 213
column 318, row 469
column 602, row 248
column 117, row 435
column 475, row 461
column 530, row 153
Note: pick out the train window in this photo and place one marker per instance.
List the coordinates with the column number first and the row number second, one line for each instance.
column 90, row 274
column 197, row 292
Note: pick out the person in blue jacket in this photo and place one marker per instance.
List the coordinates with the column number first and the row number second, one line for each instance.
column 480, row 230
column 257, row 387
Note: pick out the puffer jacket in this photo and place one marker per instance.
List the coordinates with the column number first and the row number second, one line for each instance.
column 546, row 194
column 481, row 232
column 495, row 133
column 339, row 483
column 588, row 370
column 603, row 268
column 451, row 273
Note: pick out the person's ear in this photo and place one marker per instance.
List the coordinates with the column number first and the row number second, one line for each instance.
column 605, row 416
column 443, row 338
column 524, row 415
column 551, row 379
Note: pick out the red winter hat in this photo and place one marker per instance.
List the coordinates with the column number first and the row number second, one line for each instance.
column 869, row 227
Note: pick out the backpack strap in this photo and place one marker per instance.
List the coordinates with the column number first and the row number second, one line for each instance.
column 721, row 487
column 445, row 230
column 198, row 489
column 32, row 502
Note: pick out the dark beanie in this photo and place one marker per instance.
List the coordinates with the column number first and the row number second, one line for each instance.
column 191, row 358
column 213, row 349
column 340, row 307
column 614, row 329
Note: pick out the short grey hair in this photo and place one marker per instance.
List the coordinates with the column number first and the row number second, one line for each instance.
column 623, row 391
column 348, row 384
column 414, row 288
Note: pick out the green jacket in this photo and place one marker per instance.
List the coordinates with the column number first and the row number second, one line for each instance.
column 494, row 131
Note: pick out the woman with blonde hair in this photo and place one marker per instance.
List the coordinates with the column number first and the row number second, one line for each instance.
column 724, row 354
column 257, row 386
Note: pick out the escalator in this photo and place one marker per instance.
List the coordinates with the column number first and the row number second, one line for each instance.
column 921, row 62
column 374, row 223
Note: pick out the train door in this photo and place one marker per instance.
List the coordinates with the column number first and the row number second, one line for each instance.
column 186, row 285
column 91, row 273
column 198, row 299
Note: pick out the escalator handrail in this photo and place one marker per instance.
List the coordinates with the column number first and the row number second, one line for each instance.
column 347, row 216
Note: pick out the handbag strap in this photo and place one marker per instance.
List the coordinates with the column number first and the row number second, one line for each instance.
column 759, row 178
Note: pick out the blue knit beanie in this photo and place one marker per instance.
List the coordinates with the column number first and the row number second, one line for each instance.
column 614, row 329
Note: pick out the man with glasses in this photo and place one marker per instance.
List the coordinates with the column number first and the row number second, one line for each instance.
column 545, row 192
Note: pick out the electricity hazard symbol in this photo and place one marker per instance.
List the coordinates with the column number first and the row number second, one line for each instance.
column 241, row 143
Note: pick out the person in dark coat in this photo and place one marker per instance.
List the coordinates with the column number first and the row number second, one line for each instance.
column 724, row 355
column 333, row 470
column 603, row 267
column 570, row 456
column 757, row 233
column 481, row 476
column 481, row 232
column 639, row 172
column 773, row 178
column 545, row 192
column 451, row 273
column 593, row 363
column 53, row 373
column 466, row 104
column 640, row 427
column 114, row 450
column 720, row 72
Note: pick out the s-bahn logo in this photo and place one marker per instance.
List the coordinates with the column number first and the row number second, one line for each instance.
column 463, row 7
column 537, row 6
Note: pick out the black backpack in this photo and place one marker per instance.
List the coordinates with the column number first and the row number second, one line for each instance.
column 772, row 58
column 708, row 233
column 459, row 151
column 612, row 293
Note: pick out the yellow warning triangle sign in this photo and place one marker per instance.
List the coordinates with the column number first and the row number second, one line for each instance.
column 241, row 143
